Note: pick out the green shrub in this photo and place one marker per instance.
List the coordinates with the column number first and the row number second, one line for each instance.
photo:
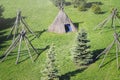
column 96, row 9
column 81, row 8
column 78, row 3
column 57, row 3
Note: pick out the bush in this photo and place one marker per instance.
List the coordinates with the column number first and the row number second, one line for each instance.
column 118, row 15
column 57, row 3
column 96, row 9
column 78, row 3
column 81, row 8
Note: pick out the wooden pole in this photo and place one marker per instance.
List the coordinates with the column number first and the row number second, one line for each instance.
column 18, row 40
column 14, row 35
column 107, row 49
column 31, row 45
column 27, row 27
column 106, row 52
column 103, row 23
column 11, row 32
column 16, row 24
column 111, row 17
column 103, row 60
column 28, row 50
column 117, row 42
column 117, row 49
column 113, row 20
column 19, row 50
column 12, row 46
column 117, row 19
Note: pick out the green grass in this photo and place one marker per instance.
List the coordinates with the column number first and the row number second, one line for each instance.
column 39, row 14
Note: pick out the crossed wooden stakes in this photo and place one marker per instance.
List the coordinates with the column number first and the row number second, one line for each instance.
column 116, row 42
column 113, row 17
column 19, row 25
column 17, row 42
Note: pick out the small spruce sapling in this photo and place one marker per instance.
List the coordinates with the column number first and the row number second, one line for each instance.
column 82, row 55
column 50, row 72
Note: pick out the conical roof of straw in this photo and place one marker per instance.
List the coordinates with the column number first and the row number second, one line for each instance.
column 58, row 25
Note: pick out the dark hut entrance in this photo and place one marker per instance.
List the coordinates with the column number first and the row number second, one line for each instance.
column 68, row 28
column 62, row 24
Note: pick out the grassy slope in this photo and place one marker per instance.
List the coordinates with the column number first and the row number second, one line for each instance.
column 39, row 15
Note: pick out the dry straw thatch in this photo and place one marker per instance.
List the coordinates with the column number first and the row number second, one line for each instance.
column 60, row 22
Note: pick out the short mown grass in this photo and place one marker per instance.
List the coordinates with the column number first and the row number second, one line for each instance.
column 39, row 14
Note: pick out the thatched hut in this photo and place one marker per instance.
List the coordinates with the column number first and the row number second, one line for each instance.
column 62, row 24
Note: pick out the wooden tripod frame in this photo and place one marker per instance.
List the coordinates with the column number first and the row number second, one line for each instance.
column 19, row 25
column 106, row 51
column 112, row 17
column 17, row 42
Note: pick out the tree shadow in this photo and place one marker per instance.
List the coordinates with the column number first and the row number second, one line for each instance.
column 68, row 75
column 102, row 12
column 25, row 53
column 117, row 27
column 5, row 23
column 108, row 62
column 1, row 56
column 1, row 10
column 68, row 3
column 38, row 34
column 111, row 56
column 76, row 24
column 89, row 4
column 14, row 55
column 2, row 39
column 41, row 51
column 96, row 53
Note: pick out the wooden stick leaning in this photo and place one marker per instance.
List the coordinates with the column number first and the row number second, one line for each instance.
column 17, row 26
column 22, row 36
column 112, row 17
column 106, row 51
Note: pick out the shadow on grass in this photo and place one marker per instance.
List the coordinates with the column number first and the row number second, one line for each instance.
column 38, row 34
column 89, row 4
column 108, row 62
column 68, row 3
column 2, row 56
column 76, row 24
column 103, row 12
column 5, row 23
column 96, row 53
column 1, row 10
column 68, row 75
column 3, row 39
column 25, row 53
column 41, row 51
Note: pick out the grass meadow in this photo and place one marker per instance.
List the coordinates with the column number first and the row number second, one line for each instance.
column 39, row 14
